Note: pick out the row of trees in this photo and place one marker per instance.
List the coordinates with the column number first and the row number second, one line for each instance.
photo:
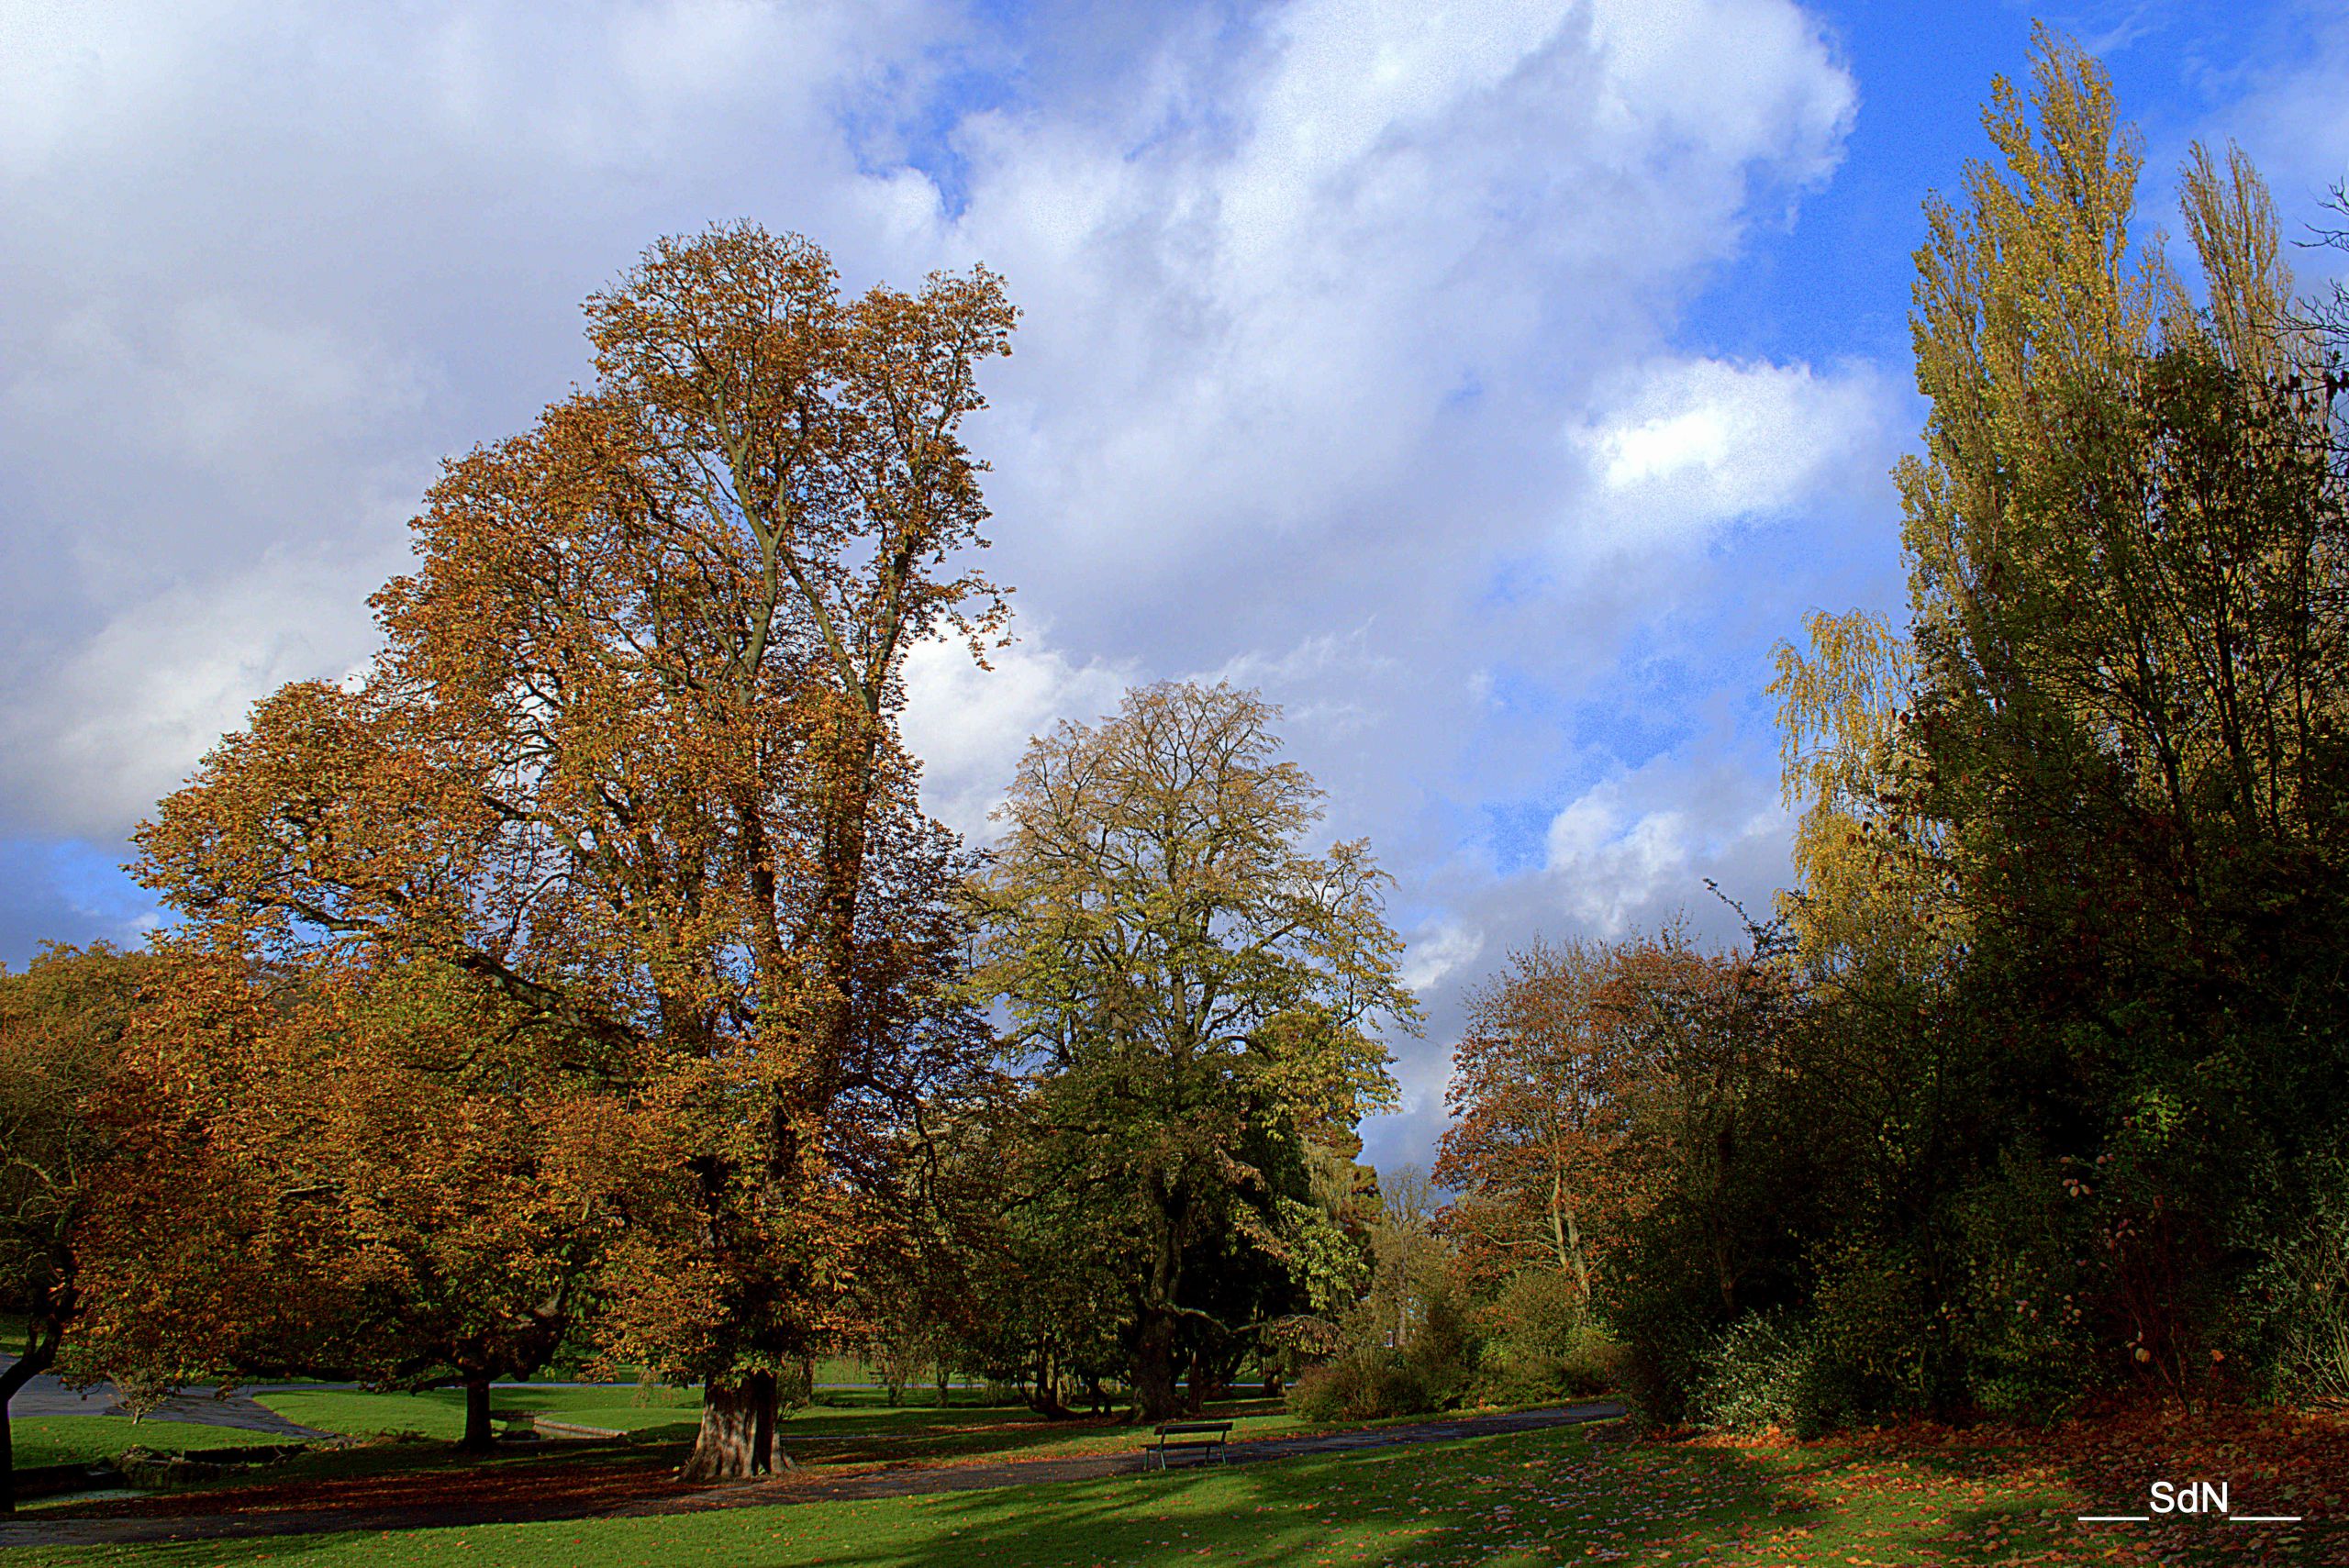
column 585, row 981
column 2035, row 1087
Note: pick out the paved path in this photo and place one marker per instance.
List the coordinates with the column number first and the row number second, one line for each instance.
column 44, row 1395
column 652, row 1493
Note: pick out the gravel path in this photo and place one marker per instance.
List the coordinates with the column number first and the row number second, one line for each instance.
column 624, row 1491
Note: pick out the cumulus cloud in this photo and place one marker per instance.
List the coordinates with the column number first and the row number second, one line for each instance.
column 1346, row 371
column 135, row 706
column 970, row 724
column 1696, row 444
column 1626, row 849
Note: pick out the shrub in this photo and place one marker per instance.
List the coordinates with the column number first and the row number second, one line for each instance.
column 2303, row 1296
column 1543, row 1344
column 1442, row 1357
column 1369, row 1380
column 1361, row 1383
column 1768, row 1369
column 2021, row 1322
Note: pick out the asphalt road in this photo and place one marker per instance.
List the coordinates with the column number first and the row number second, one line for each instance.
column 45, row 1395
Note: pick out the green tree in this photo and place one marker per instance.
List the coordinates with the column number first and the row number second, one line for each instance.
column 2074, row 881
column 1192, row 993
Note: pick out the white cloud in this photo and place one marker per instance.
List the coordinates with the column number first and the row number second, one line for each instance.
column 1311, row 291
column 1696, row 444
column 1630, row 847
column 969, row 726
column 132, row 711
column 1437, row 952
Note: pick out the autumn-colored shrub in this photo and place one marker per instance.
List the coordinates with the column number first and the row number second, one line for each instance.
column 1542, row 1343
column 1366, row 1383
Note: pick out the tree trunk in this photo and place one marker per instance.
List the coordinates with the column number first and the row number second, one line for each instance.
column 1045, row 1396
column 478, row 1438
column 40, row 1348
column 737, row 1437
column 1195, row 1401
column 1155, row 1398
column 941, row 1383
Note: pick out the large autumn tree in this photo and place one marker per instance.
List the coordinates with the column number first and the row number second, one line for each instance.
column 630, row 758
column 1193, row 996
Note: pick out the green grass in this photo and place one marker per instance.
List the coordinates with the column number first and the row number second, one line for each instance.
column 85, row 1439
column 823, row 1433
column 656, row 1413
column 1538, row 1497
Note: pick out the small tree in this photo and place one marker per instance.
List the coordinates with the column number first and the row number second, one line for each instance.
column 345, row 1169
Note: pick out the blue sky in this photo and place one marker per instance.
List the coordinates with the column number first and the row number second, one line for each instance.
column 1494, row 385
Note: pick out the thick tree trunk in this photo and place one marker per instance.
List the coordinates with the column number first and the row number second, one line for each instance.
column 737, row 1438
column 941, row 1383
column 1195, row 1401
column 478, row 1438
column 40, row 1348
column 1155, row 1398
column 1044, row 1398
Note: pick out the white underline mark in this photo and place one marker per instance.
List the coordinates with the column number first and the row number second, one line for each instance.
column 2263, row 1518
column 2116, row 1518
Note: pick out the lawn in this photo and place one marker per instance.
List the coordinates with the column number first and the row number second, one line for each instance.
column 85, row 1439
column 864, row 1432
column 650, row 1412
column 1535, row 1498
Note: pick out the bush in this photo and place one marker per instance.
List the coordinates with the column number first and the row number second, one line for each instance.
column 1768, row 1369
column 1368, row 1380
column 1442, row 1357
column 1362, row 1384
column 1543, row 1344
column 2021, row 1319
column 2303, row 1297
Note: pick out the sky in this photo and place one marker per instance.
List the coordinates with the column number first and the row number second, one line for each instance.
column 1494, row 386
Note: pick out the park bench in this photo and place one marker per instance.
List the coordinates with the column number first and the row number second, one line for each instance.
column 1187, row 1434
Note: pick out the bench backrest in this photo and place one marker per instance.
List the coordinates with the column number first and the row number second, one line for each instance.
column 1167, row 1427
